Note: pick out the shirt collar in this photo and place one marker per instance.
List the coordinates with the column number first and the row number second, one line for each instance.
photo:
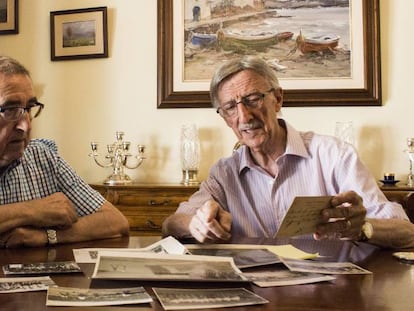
column 294, row 146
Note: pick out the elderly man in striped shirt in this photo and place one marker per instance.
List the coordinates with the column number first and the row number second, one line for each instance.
column 249, row 193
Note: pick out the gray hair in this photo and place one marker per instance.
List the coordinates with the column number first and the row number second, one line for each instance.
column 231, row 67
column 10, row 66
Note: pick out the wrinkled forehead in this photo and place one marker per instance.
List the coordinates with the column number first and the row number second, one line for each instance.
column 240, row 84
column 16, row 87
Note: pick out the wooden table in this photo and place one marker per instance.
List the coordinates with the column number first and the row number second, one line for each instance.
column 390, row 287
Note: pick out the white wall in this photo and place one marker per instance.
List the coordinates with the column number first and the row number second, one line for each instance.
column 88, row 100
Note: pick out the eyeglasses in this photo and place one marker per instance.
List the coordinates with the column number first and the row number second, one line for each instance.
column 16, row 113
column 251, row 101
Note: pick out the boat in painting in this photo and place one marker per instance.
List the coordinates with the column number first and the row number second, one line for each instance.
column 319, row 44
column 241, row 42
column 203, row 39
column 283, row 36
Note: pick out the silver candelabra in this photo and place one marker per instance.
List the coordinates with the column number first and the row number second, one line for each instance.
column 118, row 158
column 410, row 153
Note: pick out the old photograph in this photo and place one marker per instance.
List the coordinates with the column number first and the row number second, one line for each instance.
column 243, row 257
column 149, row 266
column 25, row 284
column 168, row 245
column 42, row 268
column 66, row 296
column 324, row 267
column 285, row 277
column 191, row 299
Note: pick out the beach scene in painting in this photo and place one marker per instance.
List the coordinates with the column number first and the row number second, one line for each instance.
column 300, row 39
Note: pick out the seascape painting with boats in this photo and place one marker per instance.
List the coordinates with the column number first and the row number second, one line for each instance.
column 308, row 39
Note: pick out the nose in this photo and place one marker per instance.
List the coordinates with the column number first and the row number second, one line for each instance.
column 243, row 113
column 24, row 122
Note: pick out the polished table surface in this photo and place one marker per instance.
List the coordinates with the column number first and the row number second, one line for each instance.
column 390, row 287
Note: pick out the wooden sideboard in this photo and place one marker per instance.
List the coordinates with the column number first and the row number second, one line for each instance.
column 147, row 205
column 403, row 195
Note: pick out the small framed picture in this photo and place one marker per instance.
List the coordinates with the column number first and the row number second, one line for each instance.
column 79, row 34
column 9, row 17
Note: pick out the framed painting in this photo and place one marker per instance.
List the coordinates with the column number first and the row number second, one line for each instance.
column 9, row 17
column 79, row 34
column 334, row 62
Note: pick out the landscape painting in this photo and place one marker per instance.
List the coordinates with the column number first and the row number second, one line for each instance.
column 325, row 52
column 79, row 34
column 299, row 39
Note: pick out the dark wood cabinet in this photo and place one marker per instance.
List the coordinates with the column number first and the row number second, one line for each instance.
column 146, row 205
column 403, row 195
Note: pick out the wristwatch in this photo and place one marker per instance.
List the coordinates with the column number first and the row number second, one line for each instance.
column 51, row 236
column 366, row 231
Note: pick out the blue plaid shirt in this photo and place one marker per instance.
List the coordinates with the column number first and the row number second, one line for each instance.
column 42, row 172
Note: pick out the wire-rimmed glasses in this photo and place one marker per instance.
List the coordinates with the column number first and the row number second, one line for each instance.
column 251, row 101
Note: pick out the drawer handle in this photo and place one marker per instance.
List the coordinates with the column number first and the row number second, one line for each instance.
column 155, row 203
column 152, row 225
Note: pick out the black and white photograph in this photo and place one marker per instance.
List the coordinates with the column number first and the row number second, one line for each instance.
column 190, row 299
column 323, row 267
column 243, row 257
column 25, row 284
column 66, row 296
column 41, row 268
column 168, row 245
column 303, row 215
column 149, row 266
column 285, row 277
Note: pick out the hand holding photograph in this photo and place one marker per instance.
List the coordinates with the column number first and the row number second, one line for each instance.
column 303, row 216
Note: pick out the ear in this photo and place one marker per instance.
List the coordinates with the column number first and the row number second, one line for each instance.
column 278, row 93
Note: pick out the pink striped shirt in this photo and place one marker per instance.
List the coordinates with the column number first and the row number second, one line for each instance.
column 312, row 165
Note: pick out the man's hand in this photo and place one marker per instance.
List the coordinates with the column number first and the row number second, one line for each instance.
column 211, row 223
column 23, row 236
column 55, row 210
column 344, row 220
